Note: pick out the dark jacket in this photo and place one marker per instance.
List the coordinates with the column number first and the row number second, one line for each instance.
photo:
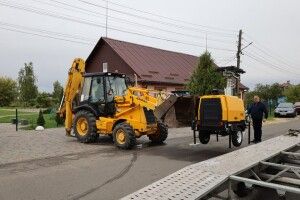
column 256, row 110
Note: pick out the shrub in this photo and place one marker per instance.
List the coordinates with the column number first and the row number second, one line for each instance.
column 40, row 120
column 47, row 111
column 59, row 120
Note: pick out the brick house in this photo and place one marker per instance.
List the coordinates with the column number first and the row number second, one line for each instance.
column 155, row 68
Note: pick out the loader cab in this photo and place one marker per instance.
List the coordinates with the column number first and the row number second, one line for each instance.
column 99, row 90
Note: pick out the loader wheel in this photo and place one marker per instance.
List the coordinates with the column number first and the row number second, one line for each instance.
column 85, row 127
column 123, row 136
column 161, row 135
column 237, row 138
column 204, row 137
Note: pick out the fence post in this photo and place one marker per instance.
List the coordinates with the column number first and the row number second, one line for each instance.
column 17, row 120
column 249, row 132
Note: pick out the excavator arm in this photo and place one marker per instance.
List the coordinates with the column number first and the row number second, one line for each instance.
column 72, row 88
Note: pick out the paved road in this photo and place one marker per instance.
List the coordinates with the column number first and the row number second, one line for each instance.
column 50, row 166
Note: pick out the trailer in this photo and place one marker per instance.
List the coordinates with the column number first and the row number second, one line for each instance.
column 274, row 163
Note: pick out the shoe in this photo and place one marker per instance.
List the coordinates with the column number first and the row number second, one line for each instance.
column 254, row 141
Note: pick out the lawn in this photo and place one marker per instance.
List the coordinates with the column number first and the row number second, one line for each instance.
column 271, row 117
column 7, row 115
column 10, row 112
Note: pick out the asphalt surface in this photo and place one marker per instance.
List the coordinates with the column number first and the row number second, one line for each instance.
column 105, row 172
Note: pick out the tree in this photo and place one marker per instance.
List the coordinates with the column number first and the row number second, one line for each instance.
column 292, row 93
column 8, row 91
column 268, row 92
column 27, row 84
column 57, row 92
column 275, row 92
column 44, row 100
column 40, row 120
column 205, row 78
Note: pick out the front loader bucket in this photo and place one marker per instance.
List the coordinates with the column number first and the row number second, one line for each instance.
column 182, row 112
column 185, row 110
column 161, row 110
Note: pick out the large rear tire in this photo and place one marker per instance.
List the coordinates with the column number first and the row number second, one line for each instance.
column 123, row 136
column 237, row 137
column 85, row 127
column 161, row 135
column 204, row 137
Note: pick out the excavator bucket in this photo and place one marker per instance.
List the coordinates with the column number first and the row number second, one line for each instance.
column 177, row 111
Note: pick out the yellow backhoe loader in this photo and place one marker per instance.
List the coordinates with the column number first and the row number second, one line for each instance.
column 102, row 103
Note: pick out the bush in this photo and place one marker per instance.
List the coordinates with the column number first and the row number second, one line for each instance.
column 44, row 100
column 47, row 111
column 40, row 120
column 59, row 120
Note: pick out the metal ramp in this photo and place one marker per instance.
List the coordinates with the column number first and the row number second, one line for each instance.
column 203, row 179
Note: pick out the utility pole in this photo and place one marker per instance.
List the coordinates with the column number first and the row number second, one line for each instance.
column 239, row 51
column 238, row 61
column 106, row 19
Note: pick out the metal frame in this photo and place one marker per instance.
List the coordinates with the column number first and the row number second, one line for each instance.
column 286, row 178
column 208, row 179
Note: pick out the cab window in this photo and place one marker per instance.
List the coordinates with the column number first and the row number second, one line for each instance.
column 85, row 94
column 97, row 90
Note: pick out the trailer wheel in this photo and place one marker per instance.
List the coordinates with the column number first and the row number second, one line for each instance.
column 237, row 137
column 241, row 190
column 161, row 135
column 204, row 137
column 123, row 136
column 85, row 127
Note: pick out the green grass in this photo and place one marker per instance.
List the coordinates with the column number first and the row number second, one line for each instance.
column 271, row 117
column 49, row 121
column 5, row 112
column 7, row 115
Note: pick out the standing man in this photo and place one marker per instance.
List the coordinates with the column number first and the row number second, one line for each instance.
column 257, row 111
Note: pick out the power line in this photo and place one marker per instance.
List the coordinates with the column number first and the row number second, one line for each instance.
column 232, row 58
column 268, row 53
column 268, row 59
column 271, row 65
column 158, row 21
column 78, row 20
column 76, row 37
column 87, row 11
column 169, row 18
column 44, row 36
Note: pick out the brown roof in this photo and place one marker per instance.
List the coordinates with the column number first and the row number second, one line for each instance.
column 243, row 87
column 154, row 65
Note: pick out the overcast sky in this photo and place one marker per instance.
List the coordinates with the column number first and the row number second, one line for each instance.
column 272, row 25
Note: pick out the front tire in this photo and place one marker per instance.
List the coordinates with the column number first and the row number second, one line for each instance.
column 85, row 127
column 204, row 137
column 123, row 136
column 237, row 138
column 161, row 135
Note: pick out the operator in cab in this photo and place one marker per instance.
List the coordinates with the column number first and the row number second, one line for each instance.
column 258, row 112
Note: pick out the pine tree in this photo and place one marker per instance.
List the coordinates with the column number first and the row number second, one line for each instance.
column 205, row 78
column 40, row 120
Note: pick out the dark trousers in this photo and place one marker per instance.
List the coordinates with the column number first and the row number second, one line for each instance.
column 257, row 124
